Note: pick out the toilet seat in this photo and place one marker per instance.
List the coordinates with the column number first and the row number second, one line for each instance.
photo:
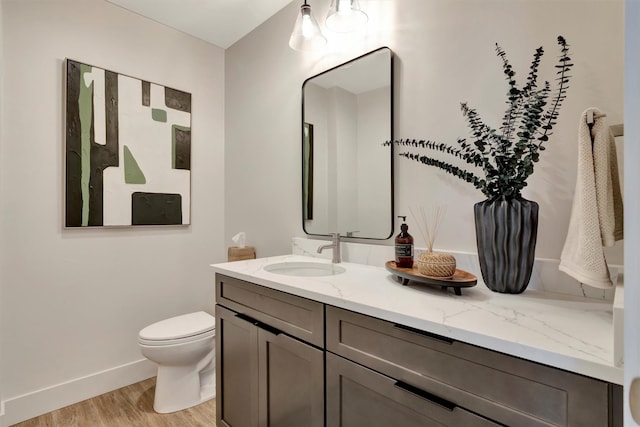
column 178, row 330
column 177, row 341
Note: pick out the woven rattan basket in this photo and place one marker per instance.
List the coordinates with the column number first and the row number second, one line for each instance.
column 436, row 264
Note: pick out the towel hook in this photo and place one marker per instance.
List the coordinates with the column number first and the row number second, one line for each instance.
column 591, row 116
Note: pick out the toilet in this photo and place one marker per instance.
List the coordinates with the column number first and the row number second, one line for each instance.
column 183, row 347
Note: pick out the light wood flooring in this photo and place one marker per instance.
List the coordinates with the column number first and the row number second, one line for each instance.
column 131, row 406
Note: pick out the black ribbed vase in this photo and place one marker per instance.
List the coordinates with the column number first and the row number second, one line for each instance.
column 506, row 231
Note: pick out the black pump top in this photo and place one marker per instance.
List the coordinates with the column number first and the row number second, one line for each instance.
column 404, row 227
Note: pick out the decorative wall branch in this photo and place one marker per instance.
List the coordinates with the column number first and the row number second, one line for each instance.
column 506, row 155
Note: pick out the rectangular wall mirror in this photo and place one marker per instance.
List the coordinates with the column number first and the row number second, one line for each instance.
column 347, row 173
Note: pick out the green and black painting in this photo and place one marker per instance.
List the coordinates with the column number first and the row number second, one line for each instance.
column 128, row 150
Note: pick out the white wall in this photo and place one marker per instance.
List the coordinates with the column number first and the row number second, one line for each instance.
column 318, row 117
column 344, row 119
column 444, row 54
column 373, row 186
column 74, row 300
column 263, row 148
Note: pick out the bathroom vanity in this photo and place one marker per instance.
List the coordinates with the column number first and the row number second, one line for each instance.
column 358, row 348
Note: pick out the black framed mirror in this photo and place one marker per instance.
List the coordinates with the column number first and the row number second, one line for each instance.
column 347, row 173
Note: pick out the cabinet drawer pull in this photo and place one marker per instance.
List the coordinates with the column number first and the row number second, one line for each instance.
column 424, row 333
column 258, row 323
column 426, row 395
column 246, row 318
column 268, row 328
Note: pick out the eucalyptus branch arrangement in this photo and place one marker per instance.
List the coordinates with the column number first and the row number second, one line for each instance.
column 505, row 155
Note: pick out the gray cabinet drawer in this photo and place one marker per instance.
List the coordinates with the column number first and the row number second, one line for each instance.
column 357, row 396
column 296, row 316
column 509, row 390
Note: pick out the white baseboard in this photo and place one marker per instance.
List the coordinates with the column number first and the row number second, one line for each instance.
column 26, row 406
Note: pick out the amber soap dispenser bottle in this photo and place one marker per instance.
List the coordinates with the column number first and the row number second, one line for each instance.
column 404, row 246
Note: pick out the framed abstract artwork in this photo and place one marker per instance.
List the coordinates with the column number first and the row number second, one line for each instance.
column 127, row 150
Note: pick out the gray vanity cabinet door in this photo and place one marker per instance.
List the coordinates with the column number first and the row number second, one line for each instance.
column 237, row 370
column 357, row 396
column 291, row 382
column 265, row 377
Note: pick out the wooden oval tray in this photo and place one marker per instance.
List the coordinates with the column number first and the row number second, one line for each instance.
column 460, row 279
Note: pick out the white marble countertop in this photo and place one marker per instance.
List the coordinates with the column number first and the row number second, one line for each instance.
column 567, row 332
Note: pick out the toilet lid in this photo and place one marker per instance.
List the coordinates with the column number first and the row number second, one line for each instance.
column 179, row 327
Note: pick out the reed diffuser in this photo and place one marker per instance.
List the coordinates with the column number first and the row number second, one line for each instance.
column 430, row 263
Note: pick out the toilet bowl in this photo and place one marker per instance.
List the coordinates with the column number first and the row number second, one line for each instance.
column 183, row 347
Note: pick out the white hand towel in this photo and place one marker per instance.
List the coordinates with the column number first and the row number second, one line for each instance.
column 596, row 216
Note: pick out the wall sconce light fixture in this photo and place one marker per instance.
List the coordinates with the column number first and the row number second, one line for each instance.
column 345, row 16
column 306, row 33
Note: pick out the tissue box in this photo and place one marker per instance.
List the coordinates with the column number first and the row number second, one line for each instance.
column 238, row 254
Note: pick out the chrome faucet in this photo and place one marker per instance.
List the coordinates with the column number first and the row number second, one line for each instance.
column 335, row 245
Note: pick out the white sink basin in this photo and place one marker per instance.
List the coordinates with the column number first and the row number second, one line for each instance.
column 306, row 269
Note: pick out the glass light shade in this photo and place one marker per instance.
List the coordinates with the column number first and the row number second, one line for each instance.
column 345, row 16
column 306, row 33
